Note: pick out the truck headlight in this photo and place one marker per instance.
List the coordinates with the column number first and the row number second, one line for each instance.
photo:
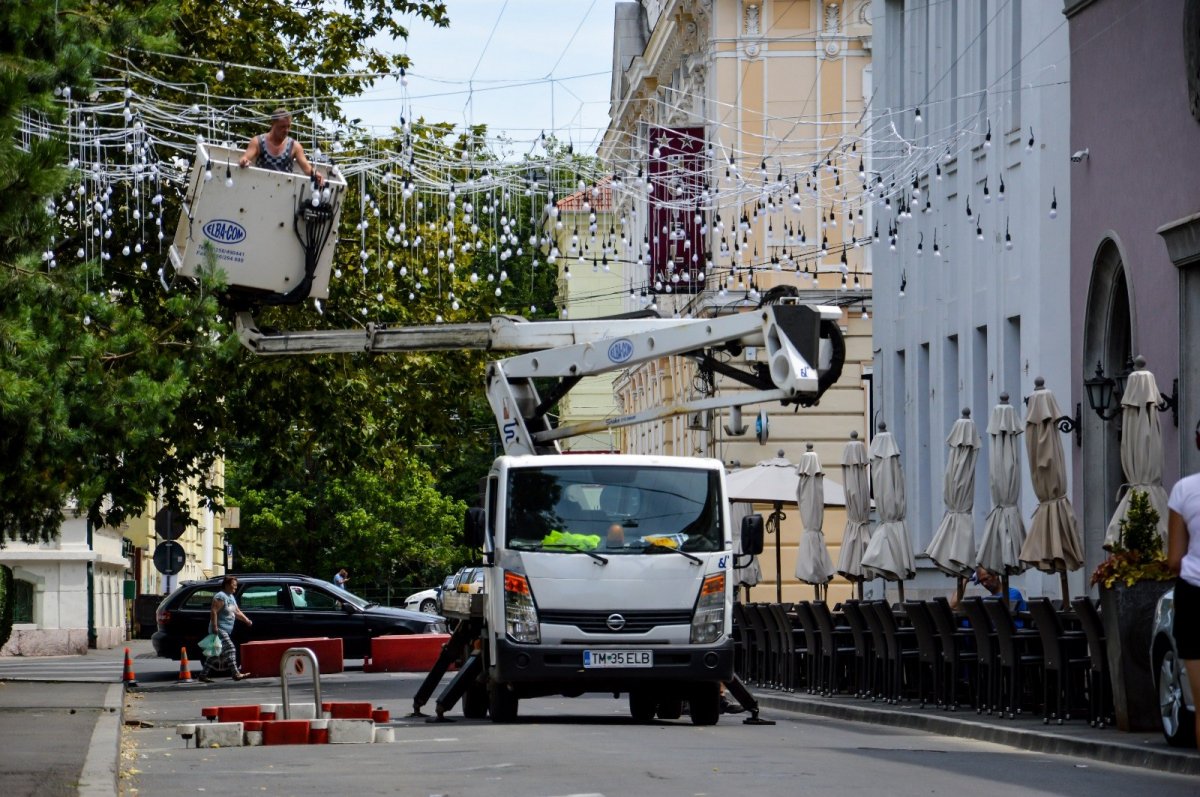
column 520, row 614
column 708, row 620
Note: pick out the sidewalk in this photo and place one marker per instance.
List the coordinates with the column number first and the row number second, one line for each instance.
column 1073, row 738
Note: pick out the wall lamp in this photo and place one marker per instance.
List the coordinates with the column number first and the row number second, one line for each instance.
column 1104, row 393
column 1065, row 423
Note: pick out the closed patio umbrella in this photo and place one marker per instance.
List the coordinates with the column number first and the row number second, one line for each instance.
column 952, row 548
column 857, row 534
column 889, row 554
column 1141, row 450
column 1004, row 529
column 746, row 570
column 1053, row 543
column 813, row 565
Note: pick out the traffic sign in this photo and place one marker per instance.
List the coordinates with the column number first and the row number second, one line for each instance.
column 169, row 557
column 169, row 524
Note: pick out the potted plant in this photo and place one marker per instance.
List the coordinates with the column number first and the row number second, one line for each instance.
column 1131, row 580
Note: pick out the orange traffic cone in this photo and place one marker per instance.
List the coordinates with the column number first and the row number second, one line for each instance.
column 185, row 675
column 128, row 677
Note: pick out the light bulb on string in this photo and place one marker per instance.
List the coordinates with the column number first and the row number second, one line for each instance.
column 921, row 245
column 918, row 118
column 221, row 73
column 936, row 251
column 1008, row 244
column 1029, row 144
column 228, row 176
column 979, row 227
column 987, row 196
column 987, row 139
column 903, row 283
column 1053, row 203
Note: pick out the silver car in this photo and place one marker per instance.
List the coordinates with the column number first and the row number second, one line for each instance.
column 1175, row 699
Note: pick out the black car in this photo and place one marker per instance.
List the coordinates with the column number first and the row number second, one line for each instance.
column 284, row 606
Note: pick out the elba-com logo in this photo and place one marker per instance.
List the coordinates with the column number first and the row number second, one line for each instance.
column 620, row 350
column 224, row 231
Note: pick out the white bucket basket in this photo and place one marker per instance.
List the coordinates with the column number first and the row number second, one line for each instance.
column 255, row 227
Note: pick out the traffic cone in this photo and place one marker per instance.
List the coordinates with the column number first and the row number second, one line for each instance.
column 128, row 677
column 185, row 675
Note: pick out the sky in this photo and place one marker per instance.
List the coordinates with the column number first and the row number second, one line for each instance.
column 530, row 41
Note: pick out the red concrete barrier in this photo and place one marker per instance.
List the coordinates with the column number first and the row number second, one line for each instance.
column 381, row 716
column 285, row 732
column 237, row 713
column 347, row 710
column 261, row 659
column 405, row 653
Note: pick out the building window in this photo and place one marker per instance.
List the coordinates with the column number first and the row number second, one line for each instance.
column 22, row 601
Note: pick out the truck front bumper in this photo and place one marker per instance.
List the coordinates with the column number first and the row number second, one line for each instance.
column 516, row 663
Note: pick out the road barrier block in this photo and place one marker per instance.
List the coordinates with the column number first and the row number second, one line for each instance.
column 405, row 653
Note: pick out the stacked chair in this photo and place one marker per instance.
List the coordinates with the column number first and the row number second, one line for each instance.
column 930, row 661
column 1099, row 685
column 1065, row 662
column 959, row 658
column 863, row 684
column 1016, row 652
column 837, row 651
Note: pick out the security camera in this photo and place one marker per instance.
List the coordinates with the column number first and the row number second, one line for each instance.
column 1080, row 155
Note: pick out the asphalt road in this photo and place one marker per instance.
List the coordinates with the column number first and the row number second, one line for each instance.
column 590, row 746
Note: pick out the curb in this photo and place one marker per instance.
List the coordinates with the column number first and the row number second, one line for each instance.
column 1114, row 751
column 101, row 768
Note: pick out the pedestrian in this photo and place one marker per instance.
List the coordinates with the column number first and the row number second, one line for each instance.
column 225, row 612
column 340, row 578
column 1183, row 558
column 276, row 150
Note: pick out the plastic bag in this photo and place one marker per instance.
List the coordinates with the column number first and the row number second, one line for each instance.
column 211, row 646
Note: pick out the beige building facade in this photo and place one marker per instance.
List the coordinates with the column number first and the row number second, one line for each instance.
column 735, row 142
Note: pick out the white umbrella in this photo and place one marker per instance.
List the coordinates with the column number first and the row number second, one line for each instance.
column 1004, row 529
column 889, row 554
column 774, row 481
column 1141, row 450
column 857, row 533
column 746, row 570
column 813, row 564
column 952, row 548
column 1053, row 543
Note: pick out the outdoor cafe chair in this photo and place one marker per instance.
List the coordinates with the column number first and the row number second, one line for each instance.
column 1064, row 661
column 987, row 662
column 860, row 632
column 835, row 650
column 812, row 644
column 756, row 651
column 929, row 653
column 1013, row 649
column 769, row 660
column 959, row 659
column 879, row 650
column 777, row 649
column 1100, row 706
column 901, row 651
column 791, row 645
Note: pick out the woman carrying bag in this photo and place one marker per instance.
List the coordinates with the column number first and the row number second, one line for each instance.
column 225, row 612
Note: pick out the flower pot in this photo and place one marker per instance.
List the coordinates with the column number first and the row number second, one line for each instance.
column 1128, row 614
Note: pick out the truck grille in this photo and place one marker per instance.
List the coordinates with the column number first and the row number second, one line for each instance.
column 636, row 621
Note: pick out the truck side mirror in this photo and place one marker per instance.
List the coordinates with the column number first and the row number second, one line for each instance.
column 752, row 535
column 475, row 524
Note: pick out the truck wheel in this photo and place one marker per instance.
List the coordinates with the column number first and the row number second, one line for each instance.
column 475, row 701
column 502, row 703
column 670, row 709
column 704, row 704
column 642, row 705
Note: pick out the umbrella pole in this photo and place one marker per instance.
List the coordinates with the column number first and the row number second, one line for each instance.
column 773, row 528
column 860, row 588
column 1066, row 598
column 961, row 589
column 1004, row 587
column 900, row 584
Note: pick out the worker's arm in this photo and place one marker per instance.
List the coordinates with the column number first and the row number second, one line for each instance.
column 305, row 165
column 1177, row 541
column 251, row 153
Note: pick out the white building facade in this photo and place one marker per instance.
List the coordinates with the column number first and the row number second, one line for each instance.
column 969, row 130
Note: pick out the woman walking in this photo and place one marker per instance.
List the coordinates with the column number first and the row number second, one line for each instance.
column 1183, row 557
column 225, row 612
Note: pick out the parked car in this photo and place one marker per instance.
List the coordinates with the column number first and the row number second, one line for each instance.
column 1175, row 698
column 427, row 600
column 284, row 606
column 468, row 579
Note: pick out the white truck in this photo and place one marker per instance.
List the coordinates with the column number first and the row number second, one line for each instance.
column 604, row 573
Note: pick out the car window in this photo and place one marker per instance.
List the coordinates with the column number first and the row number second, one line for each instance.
column 200, row 599
column 316, row 600
column 264, row 597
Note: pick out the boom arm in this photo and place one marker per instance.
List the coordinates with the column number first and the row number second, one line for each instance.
column 804, row 347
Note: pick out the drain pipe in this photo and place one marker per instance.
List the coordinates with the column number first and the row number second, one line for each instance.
column 91, row 591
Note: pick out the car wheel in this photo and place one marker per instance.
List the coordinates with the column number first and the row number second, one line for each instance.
column 1178, row 721
column 475, row 701
column 642, row 705
column 704, row 704
column 502, row 703
column 429, row 606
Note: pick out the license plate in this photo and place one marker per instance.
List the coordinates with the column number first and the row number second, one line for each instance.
column 593, row 659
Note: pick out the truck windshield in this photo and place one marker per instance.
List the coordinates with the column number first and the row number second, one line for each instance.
column 618, row 509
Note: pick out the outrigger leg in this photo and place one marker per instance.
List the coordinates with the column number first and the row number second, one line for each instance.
column 451, row 652
column 739, row 691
